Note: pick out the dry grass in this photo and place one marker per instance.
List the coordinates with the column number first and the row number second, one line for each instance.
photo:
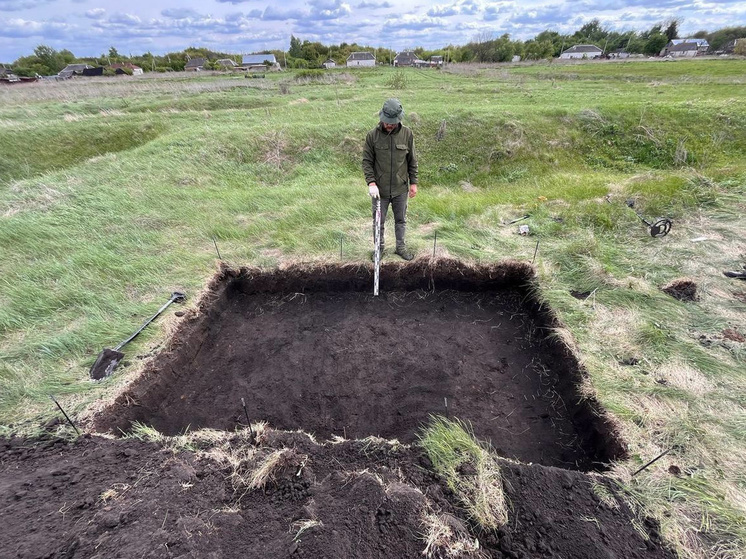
column 301, row 526
column 274, row 148
column 468, row 468
column 445, row 540
column 176, row 83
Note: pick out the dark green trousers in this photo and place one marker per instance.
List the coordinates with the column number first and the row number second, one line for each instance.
column 399, row 203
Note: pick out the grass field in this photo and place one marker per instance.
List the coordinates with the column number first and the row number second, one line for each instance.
column 111, row 192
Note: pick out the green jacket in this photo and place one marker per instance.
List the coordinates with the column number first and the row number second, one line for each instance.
column 390, row 161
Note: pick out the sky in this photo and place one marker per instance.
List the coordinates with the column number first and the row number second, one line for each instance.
column 90, row 27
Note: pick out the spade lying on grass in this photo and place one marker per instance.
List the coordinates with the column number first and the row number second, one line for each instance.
column 108, row 359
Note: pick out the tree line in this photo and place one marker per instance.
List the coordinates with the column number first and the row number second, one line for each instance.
column 484, row 47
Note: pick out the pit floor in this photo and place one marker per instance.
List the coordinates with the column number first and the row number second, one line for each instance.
column 353, row 365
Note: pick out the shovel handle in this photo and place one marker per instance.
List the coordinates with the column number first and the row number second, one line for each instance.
column 176, row 296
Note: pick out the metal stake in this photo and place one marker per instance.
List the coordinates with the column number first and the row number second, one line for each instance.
column 535, row 251
column 653, row 461
column 377, row 249
column 66, row 417
column 216, row 247
column 243, row 403
column 445, row 401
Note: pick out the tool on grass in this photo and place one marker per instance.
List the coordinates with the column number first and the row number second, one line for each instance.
column 653, row 461
column 535, row 251
column 70, row 421
column 518, row 219
column 659, row 228
column 736, row 274
column 108, row 359
column 377, row 249
column 216, row 248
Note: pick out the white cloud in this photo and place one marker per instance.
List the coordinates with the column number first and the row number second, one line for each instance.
column 443, row 11
column 280, row 14
column 243, row 25
column 124, row 19
column 180, row 13
column 19, row 5
column 95, row 13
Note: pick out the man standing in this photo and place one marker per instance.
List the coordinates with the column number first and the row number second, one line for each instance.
column 390, row 167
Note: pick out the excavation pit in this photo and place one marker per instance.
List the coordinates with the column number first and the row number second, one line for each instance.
column 313, row 349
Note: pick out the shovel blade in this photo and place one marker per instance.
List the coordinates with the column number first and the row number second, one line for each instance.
column 105, row 363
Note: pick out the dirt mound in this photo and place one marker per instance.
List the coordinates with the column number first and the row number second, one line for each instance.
column 683, row 289
column 733, row 335
column 97, row 497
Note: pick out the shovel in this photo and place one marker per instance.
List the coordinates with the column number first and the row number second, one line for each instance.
column 108, row 359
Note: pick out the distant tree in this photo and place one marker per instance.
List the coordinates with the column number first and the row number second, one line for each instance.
column 295, row 47
column 672, row 30
column 592, row 31
column 740, row 47
column 722, row 37
column 655, row 44
column 480, row 45
column 49, row 59
column 504, row 49
column 538, row 50
column 67, row 56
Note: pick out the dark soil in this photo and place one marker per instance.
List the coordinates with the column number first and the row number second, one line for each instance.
column 349, row 364
column 105, row 498
column 733, row 335
column 311, row 349
column 682, row 289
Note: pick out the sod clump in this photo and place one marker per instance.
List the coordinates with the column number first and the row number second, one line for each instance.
column 469, row 469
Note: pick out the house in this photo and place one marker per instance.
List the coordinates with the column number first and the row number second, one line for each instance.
column 6, row 76
column 93, row 72
column 329, row 64
column 730, row 47
column 361, row 59
column 120, row 68
column 681, row 50
column 227, row 64
column 260, row 62
column 702, row 46
column 405, row 58
column 72, row 70
column 582, row 51
column 195, row 65
column 436, row 60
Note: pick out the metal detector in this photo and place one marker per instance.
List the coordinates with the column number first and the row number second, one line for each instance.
column 659, row 228
column 377, row 248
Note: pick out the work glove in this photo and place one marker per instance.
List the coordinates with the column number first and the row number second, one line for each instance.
column 373, row 191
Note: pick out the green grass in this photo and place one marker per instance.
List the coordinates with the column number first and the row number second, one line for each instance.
column 452, row 446
column 111, row 193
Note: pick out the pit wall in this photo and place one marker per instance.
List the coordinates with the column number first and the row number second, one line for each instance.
column 593, row 424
